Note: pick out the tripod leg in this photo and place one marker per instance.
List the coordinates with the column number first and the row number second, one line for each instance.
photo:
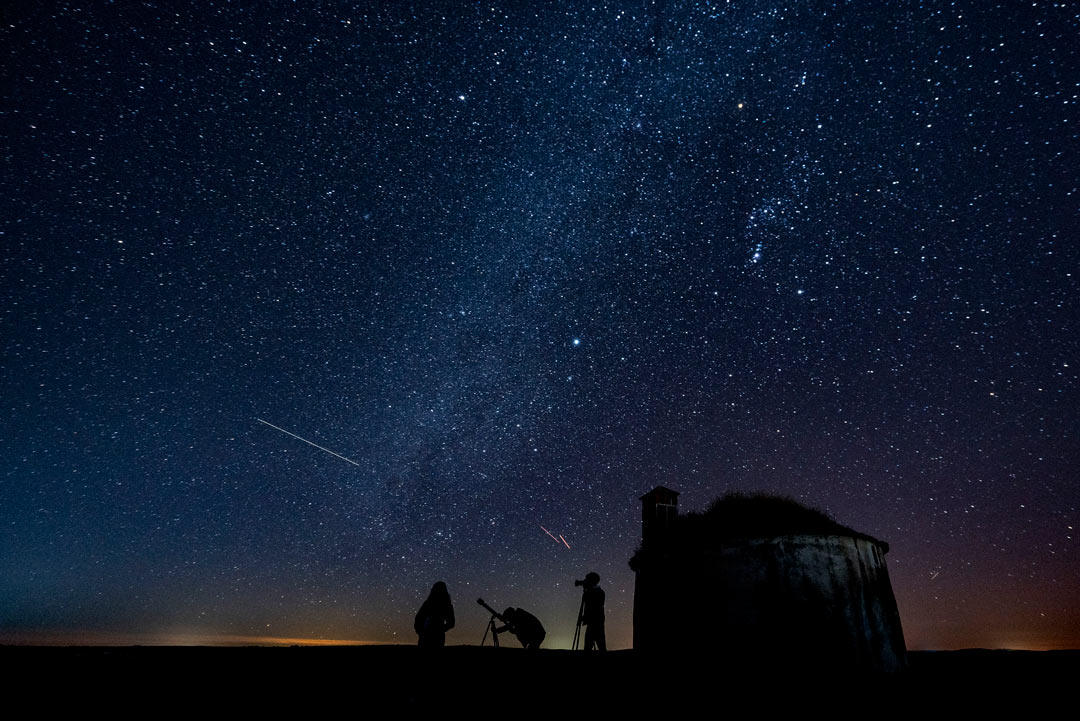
column 577, row 631
column 494, row 634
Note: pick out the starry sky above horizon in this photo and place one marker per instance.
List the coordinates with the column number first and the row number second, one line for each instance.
column 519, row 263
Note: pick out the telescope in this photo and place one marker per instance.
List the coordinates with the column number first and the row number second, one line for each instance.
column 491, row 624
column 491, row 610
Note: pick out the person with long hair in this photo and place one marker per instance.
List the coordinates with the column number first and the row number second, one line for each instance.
column 435, row 618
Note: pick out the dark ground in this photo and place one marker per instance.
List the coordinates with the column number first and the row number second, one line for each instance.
column 312, row 680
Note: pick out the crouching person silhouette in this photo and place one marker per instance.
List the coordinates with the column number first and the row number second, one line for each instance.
column 528, row 629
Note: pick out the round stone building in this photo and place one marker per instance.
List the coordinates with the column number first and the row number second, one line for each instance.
column 762, row 581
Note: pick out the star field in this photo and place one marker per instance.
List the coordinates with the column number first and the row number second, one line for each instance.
column 518, row 264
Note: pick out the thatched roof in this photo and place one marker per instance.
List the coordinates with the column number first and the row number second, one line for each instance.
column 761, row 515
column 738, row 516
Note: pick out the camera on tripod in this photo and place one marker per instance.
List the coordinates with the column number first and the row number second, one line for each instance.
column 591, row 579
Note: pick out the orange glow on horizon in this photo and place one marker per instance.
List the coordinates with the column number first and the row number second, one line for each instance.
column 104, row 638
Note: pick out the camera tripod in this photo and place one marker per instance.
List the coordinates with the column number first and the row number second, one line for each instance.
column 577, row 631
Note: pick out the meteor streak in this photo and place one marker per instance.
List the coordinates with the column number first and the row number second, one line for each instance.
column 305, row 440
column 557, row 539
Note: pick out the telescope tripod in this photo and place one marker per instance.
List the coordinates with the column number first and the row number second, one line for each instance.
column 494, row 632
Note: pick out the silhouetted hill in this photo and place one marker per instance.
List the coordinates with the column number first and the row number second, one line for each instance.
column 487, row 681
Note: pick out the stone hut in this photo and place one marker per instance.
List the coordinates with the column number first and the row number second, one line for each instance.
column 762, row 581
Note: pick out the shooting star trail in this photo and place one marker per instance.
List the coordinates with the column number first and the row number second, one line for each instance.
column 305, row 440
column 557, row 539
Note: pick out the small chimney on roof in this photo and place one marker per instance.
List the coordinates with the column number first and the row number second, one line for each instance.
column 659, row 507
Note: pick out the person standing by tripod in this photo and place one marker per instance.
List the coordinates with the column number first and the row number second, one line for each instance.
column 592, row 612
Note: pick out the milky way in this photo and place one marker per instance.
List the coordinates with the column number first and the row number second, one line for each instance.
column 520, row 263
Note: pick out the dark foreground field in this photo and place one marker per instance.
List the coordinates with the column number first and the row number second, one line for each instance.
column 312, row 680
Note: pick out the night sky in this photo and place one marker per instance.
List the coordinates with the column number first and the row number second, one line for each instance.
column 518, row 263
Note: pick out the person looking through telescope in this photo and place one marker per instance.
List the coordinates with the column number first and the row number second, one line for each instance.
column 528, row 629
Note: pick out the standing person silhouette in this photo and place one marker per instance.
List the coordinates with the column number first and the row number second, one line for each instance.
column 435, row 618
column 592, row 613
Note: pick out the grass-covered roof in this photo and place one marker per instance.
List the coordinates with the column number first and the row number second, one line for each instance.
column 760, row 515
